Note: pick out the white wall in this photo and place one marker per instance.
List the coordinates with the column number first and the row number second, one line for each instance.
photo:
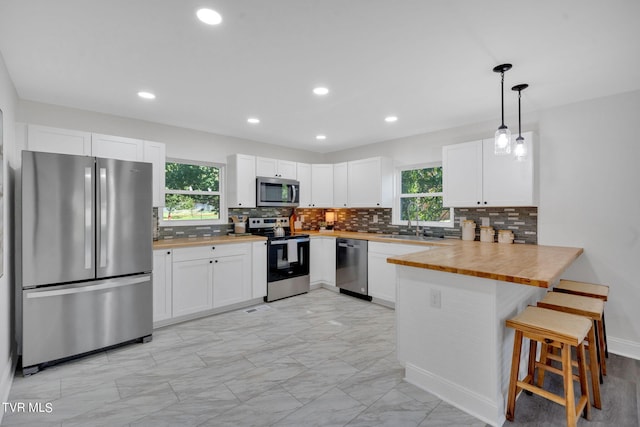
column 589, row 178
column 8, row 105
column 181, row 143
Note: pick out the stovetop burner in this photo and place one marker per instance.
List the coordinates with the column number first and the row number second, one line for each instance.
column 266, row 227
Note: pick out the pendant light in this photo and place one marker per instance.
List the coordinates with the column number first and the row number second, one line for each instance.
column 502, row 144
column 520, row 150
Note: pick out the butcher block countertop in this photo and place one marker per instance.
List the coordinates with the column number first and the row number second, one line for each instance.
column 204, row 241
column 531, row 265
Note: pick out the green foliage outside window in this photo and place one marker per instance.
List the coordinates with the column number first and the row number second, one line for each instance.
column 421, row 197
column 192, row 192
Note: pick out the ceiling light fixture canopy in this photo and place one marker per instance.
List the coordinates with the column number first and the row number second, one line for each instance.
column 146, row 95
column 391, row 119
column 253, row 120
column 502, row 144
column 321, row 91
column 520, row 150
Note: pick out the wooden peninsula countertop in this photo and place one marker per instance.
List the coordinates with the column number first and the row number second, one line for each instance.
column 531, row 265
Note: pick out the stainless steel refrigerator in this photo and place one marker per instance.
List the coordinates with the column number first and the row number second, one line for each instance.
column 86, row 255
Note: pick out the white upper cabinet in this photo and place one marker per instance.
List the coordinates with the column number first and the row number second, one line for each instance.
column 340, row 185
column 241, row 181
column 304, row 177
column 117, row 147
column 54, row 140
column 370, row 183
column 474, row 176
column 154, row 153
column 275, row 168
column 321, row 185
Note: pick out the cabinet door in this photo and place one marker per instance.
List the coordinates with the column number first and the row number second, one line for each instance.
column 462, row 174
column 259, row 269
column 231, row 280
column 154, row 153
column 316, row 253
column 507, row 182
column 116, row 147
column 340, row 193
column 192, row 286
column 266, row 167
column 241, row 181
column 322, row 185
column 162, row 284
column 382, row 277
column 287, row 169
column 329, row 261
column 62, row 141
column 304, row 177
column 370, row 182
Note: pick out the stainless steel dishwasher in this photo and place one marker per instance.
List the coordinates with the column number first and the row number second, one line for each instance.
column 351, row 267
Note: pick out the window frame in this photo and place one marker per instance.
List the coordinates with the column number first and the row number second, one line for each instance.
column 224, row 216
column 397, row 196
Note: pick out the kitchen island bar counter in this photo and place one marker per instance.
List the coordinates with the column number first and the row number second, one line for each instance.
column 523, row 264
column 451, row 306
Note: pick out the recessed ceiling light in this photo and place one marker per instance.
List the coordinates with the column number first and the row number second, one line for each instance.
column 253, row 120
column 146, row 95
column 321, row 137
column 390, row 119
column 209, row 16
column 321, row 91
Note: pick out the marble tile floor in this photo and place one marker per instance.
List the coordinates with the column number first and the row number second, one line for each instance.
column 319, row 359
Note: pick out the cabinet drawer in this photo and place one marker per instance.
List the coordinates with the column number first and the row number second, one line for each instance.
column 210, row 251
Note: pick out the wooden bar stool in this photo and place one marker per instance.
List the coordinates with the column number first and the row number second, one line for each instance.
column 559, row 330
column 592, row 308
column 587, row 290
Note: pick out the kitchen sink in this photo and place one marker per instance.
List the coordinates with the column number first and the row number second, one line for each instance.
column 413, row 237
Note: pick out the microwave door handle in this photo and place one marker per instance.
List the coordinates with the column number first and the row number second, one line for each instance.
column 293, row 191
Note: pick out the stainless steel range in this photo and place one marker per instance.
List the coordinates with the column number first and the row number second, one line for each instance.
column 287, row 257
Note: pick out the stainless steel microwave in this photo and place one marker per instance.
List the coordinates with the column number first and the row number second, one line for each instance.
column 277, row 192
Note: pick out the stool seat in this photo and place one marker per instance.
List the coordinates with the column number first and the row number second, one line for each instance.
column 555, row 325
column 574, row 304
column 583, row 288
column 559, row 330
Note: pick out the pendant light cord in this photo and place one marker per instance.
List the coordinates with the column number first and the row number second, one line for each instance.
column 502, row 91
column 519, row 117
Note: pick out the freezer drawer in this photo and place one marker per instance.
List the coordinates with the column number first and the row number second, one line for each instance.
column 67, row 320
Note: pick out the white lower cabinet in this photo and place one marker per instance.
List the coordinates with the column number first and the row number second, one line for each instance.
column 162, row 284
column 193, row 280
column 322, row 269
column 382, row 275
column 259, row 269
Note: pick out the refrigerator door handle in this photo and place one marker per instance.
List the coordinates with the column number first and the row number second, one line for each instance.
column 88, row 217
column 103, row 217
column 98, row 286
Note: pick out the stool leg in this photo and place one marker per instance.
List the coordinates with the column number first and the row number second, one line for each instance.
column 602, row 347
column 569, row 396
column 531, row 368
column 544, row 348
column 515, row 366
column 604, row 333
column 582, row 374
column 595, row 370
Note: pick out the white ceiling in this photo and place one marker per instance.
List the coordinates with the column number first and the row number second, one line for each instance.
column 428, row 62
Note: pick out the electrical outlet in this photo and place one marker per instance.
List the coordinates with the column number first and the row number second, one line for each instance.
column 436, row 298
column 486, row 222
column 375, row 219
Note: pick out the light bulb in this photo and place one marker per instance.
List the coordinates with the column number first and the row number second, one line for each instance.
column 520, row 149
column 502, row 144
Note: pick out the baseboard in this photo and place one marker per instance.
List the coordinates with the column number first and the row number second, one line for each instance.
column 624, row 348
column 462, row 398
column 6, row 380
column 332, row 288
column 206, row 313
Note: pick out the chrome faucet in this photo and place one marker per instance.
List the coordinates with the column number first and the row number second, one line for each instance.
column 419, row 229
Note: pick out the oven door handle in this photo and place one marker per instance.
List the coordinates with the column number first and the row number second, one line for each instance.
column 285, row 241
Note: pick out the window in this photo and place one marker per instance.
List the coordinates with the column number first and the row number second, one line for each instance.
column 419, row 197
column 193, row 193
